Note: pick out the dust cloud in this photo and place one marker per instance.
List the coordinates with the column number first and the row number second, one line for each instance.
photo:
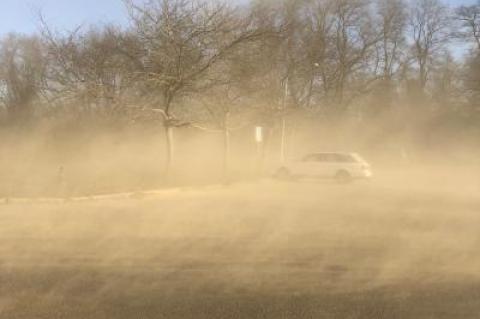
column 137, row 161
column 402, row 245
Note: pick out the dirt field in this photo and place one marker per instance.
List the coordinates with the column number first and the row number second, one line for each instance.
column 404, row 245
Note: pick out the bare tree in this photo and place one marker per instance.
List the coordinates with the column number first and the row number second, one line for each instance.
column 341, row 39
column 469, row 18
column 392, row 14
column 471, row 83
column 22, row 69
column 182, row 41
column 223, row 111
column 391, row 56
column 354, row 43
column 446, row 91
column 88, row 70
column 428, row 29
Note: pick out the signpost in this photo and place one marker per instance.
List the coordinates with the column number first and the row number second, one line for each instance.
column 259, row 139
column 259, row 134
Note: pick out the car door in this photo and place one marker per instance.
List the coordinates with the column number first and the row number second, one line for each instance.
column 306, row 166
column 343, row 162
column 326, row 165
column 339, row 162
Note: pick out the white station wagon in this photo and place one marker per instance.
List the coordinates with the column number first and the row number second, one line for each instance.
column 342, row 167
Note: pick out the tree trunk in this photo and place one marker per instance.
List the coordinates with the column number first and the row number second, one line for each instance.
column 169, row 149
column 169, row 142
column 423, row 74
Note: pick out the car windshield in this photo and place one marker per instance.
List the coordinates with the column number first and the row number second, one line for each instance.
column 358, row 158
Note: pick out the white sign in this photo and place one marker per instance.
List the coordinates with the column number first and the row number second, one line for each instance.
column 259, row 134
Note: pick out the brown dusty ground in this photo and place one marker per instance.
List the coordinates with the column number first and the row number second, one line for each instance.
column 404, row 245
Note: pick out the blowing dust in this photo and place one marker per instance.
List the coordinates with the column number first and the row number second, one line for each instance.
column 401, row 245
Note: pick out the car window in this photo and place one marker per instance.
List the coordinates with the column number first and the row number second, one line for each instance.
column 324, row 158
column 310, row 158
column 344, row 158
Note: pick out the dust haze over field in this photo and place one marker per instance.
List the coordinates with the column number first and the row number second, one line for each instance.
column 137, row 162
column 403, row 245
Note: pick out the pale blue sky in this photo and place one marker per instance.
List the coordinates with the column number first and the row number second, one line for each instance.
column 19, row 15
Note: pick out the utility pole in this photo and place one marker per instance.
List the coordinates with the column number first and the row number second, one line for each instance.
column 284, row 123
column 226, row 147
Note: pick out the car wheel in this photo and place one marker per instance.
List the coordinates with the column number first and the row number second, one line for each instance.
column 343, row 177
column 283, row 174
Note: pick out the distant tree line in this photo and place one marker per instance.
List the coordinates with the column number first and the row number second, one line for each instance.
column 217, row 66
